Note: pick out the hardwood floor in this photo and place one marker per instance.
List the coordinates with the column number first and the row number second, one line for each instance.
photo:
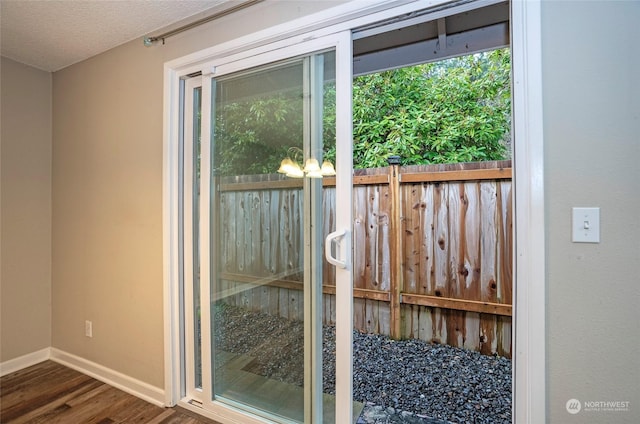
column 52, row 393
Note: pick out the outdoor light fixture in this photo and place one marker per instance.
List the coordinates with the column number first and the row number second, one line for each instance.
column 312, row 168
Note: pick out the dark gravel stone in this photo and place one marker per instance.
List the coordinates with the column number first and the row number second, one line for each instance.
column 426, row 380
column 408, row 381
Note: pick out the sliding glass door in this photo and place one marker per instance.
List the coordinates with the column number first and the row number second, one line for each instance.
column 266, row 269
column 268, row 172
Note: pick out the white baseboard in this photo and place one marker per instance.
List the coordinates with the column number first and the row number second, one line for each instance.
column 24, row 361
column 113, row 378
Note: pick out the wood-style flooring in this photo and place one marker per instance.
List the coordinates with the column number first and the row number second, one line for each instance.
column 52, row 393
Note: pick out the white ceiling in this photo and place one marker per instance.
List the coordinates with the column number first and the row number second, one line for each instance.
column 53, row 34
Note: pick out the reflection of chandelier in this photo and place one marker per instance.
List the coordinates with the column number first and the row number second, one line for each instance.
column 312, row 168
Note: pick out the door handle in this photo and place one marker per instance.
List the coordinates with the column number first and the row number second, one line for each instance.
column 341, row 240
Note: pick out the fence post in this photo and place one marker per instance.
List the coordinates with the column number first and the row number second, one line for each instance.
column 396, row 247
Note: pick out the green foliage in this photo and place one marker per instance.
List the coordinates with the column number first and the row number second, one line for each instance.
column 252, row 136
column 456, row 110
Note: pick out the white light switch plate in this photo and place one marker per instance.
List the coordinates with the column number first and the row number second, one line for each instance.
column 586, row 225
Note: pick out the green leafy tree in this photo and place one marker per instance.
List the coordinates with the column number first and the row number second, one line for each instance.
column 252, row 136
column 457, row 110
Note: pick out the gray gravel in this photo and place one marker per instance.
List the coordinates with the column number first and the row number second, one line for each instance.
column 426, row 379
column 408, row 381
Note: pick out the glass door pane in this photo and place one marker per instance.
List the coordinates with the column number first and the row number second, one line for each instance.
column 273, row 128
column 191, row 229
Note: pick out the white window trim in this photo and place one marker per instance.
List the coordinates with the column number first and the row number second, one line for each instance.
column 529, row 296
column 529, row 360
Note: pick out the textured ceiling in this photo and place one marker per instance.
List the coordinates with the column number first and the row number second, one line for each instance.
column 53, row 34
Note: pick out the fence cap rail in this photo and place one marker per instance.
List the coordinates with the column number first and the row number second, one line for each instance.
column 499, row 170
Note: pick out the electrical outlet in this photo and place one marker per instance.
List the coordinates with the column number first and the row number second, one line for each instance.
column 88, row 328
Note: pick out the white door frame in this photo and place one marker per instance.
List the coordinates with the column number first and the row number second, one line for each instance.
column 529, row 329
column 341, row 42
column 529, row 295
column 189, row 255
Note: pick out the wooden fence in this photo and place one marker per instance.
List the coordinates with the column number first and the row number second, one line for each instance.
column 432, row 251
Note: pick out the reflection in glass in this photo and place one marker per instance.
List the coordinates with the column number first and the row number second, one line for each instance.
column 258, row 222
column 197, row 106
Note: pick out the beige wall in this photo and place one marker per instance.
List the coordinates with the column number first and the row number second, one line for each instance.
column 25, row 269
column 107, row 194
column 591, row 71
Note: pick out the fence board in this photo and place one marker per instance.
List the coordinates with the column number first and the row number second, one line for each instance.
column 488, row 239
column 265, row 235
column 329, row 225
column 441, row 229
column 274, row 300
column 274, row 216
column 472, row 331
column 465, row 175
column 371, row 316
column 504, row 336
column 328, row 302
column 425, row 323
column 384, row 317
column 298, row 234
column 296, row 311
column 470, row 270
column 395, row 249
column 455, row 319
column 411, row 217
column 361, row 262
column 229, row 231
column 456, row 243
column 256, row 299
column 383, row 258
column 283, row 303
column 457, row 304
column 506, row 243
column 427, row 246
column 374, row 222
column 408, row 318
column 488, row 197
column 359, row 314
column 257, row 239
column 283, row 240
column 439, row 324
column 332, row 319
column 471, row 267
column 240, row 229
